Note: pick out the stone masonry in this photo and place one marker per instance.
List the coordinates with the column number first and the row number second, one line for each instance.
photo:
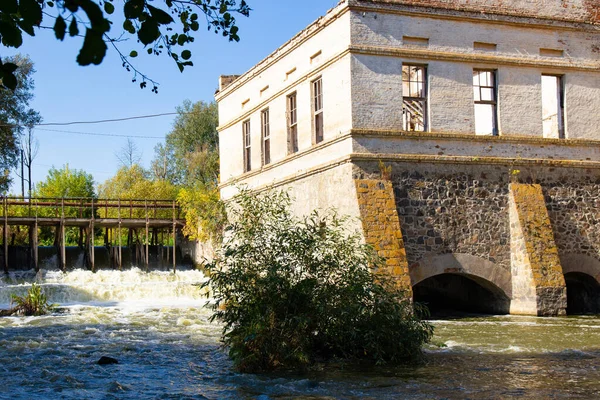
column 381, row 226
column 537, row 277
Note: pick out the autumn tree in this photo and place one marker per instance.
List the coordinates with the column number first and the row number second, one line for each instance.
column 158, row 27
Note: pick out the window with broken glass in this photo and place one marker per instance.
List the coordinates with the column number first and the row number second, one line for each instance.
column 484, row 92
column 414, row 98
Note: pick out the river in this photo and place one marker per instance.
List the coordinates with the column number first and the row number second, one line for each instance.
column 156, row 325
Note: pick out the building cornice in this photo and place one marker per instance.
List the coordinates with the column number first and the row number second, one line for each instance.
column 420, row 159
column 472, row 14
column 456, row 136
column 475, row 58
column 423, row 158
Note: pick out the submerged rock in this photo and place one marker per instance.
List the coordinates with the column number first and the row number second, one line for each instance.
column 104, row 360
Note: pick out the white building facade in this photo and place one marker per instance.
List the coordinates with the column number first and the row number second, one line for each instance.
column 472, row 91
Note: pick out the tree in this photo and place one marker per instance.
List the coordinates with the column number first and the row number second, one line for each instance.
column 29, row 150
column 15, row 113
column 134, row 183
column 66, row 182
column 293, row 291
column 63, row 183
column 129, row 155
column 150, row 23
column 190, row 154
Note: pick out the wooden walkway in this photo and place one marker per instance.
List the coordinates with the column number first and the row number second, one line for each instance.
column 112, row 215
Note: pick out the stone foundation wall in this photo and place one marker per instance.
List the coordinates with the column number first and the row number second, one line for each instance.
column 450, row 209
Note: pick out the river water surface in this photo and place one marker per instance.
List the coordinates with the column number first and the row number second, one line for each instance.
column 156, row 326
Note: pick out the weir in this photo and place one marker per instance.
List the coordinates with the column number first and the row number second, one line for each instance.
column 132, row 226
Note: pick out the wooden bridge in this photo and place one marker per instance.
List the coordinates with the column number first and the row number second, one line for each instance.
column 152, row 217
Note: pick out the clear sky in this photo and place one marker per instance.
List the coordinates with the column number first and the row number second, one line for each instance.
column 66, row 92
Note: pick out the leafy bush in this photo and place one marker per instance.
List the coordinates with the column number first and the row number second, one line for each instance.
column 33, row 303
column 292, row 292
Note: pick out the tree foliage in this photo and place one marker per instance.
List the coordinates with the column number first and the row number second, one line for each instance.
column 190, row 154
column 66, row 182
column 15, row 113
column 189, row 158
column 294, row 291
column 134, row 183
column 159, row 27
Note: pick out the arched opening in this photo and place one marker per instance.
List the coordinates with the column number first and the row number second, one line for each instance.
column 583, row 294
column 449, row 294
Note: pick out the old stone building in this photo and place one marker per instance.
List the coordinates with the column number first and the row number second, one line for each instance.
column 462, row 133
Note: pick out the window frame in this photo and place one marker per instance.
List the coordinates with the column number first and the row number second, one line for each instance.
column 562, row 131
column 493, row 102
column 247, row 145
column 424, row 99
column 292, row 122
column 317, row 113
column 265, row 134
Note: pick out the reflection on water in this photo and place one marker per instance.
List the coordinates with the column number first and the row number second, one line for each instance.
column 157, row 328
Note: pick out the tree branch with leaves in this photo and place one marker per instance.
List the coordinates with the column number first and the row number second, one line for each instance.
column 165, row 26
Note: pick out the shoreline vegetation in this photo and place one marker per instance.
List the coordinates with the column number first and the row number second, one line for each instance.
column 294, row 293
column 33, row 303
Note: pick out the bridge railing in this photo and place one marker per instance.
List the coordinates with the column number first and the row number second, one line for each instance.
column 80, row 207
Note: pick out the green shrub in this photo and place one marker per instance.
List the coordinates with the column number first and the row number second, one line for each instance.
column 292, row 292
column 33, row 303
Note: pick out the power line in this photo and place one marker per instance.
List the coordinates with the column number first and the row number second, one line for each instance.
column 100, row 134
column 107, row 120
column 101, row 121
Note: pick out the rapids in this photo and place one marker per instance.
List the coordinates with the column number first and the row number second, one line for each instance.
column 157, row 327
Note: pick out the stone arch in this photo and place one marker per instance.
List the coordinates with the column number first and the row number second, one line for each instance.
column 484, row 272
column 576, row 262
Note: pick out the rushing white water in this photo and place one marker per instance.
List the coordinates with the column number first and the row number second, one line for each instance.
column 108, row 286
column 156, row 326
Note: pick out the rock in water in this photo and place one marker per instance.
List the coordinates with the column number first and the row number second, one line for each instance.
column 104, row 360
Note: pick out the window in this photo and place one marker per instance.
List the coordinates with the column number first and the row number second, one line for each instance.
column 414, row 98
column 247, row 149
column 317, row 87
column 553, row 106
column 484, row 90
column 292, row 120
column 266, row 137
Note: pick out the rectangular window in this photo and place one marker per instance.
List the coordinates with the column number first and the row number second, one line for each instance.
column 247, row 148
column 292, row 120
column 317, row 87
column 266, row 137
column 484, row 90
column 553, row 107
column 414, row 98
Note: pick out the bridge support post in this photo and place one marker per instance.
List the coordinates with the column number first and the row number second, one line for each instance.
column 33, row 243
column 538, row 284
column 5, row 237
column 174, row 240
column 63, row 251
column 91, row 247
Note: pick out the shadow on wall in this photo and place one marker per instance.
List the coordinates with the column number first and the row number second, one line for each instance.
column 450, row 293
column 583, row 294
column 582, row 276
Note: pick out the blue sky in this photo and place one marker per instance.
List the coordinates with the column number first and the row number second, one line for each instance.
column 67, row 92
